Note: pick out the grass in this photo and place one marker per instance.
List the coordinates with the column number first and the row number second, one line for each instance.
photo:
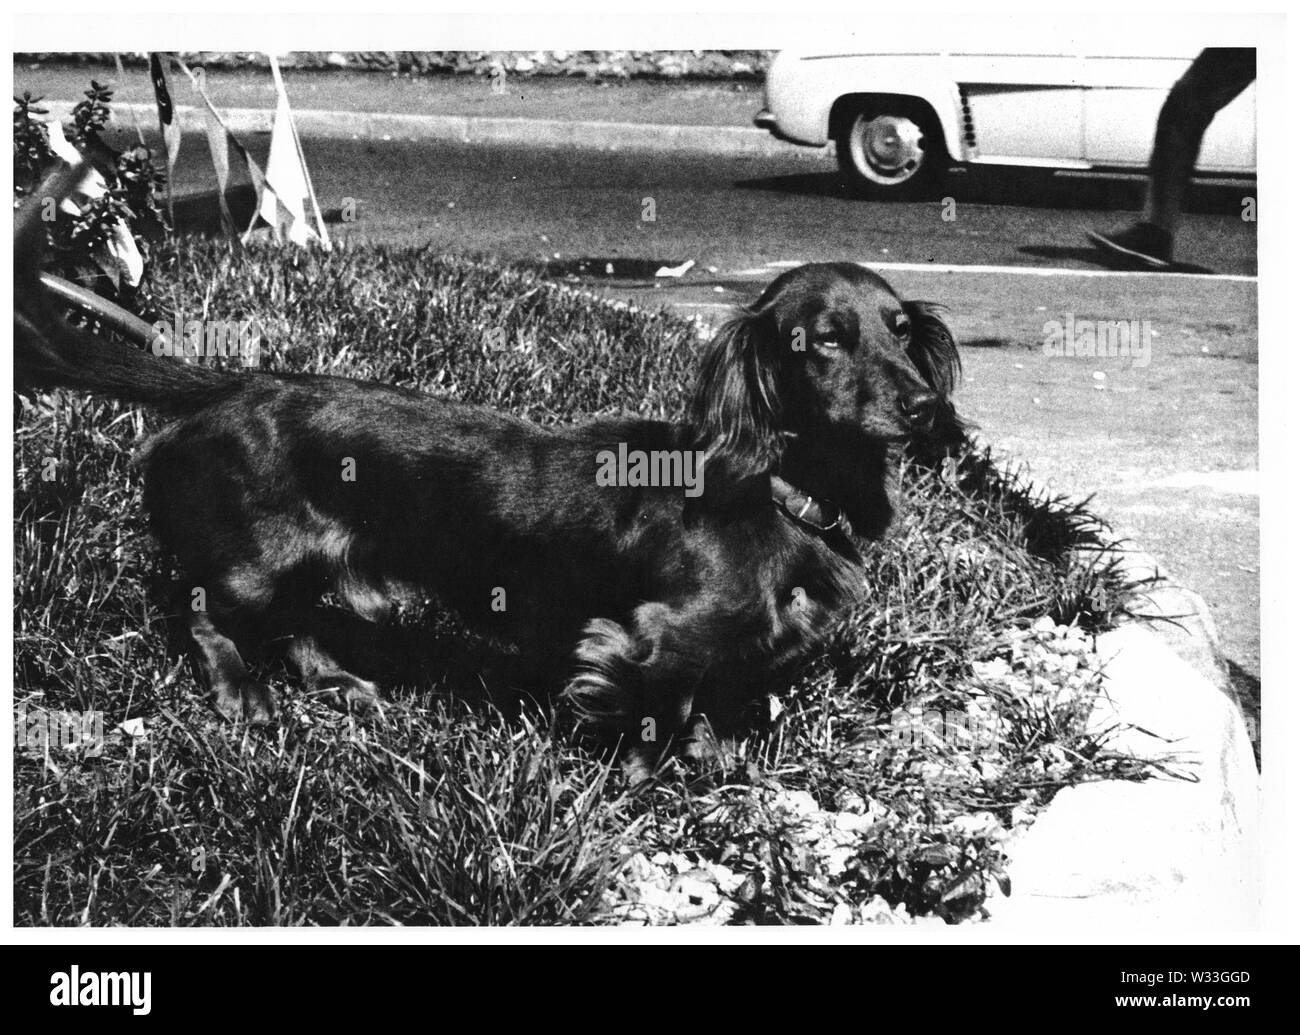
column 452, row 813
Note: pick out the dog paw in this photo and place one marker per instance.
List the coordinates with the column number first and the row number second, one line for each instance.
column 228, row 702
column 699, row 744
column 639, row 765
column 245, row 702
column 258, row 703
column 361, row 698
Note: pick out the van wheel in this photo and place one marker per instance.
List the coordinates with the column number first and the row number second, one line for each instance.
column 891, row 150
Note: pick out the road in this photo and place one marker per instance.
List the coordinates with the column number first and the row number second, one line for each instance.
column 1169, row 450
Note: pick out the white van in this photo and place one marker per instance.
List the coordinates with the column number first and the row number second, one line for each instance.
column 901, row 117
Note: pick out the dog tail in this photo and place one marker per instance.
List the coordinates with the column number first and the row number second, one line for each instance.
column 58, row 355
column 49, row 352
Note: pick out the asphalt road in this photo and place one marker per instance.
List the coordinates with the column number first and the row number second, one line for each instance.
column 534, row 202
column 729, row 212
column 1169, row 450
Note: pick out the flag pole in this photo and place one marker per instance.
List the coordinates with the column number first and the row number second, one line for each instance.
column 168, row 121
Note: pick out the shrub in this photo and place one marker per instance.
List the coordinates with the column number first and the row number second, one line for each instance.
column 76, row 245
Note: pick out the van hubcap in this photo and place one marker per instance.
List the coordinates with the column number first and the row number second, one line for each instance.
column 888, row 149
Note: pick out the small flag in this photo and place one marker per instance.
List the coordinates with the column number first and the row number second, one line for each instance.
column 286, row 189
column 217, row 146
column 220, row 141
column 168, row 122
column 283, row 188
column 288, row 184
column 259, row 189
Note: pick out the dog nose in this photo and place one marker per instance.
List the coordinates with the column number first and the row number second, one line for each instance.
column 919, row 408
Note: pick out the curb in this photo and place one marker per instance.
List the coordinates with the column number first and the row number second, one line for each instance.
column 1179, row 851
column 471, row 129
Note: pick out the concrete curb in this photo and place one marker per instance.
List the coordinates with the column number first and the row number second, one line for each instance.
column 1180, row 851
column 471, row 129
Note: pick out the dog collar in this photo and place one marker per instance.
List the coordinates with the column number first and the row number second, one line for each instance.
column 818, row 515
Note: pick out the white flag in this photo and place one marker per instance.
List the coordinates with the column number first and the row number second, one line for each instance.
column 286, row 189
column 288, row 186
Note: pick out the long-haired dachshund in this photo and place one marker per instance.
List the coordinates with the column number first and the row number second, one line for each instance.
column 271, row 490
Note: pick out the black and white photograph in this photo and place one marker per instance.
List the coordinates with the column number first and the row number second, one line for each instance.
column 789, row 474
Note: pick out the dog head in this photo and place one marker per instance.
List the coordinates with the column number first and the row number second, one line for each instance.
column 829, row 351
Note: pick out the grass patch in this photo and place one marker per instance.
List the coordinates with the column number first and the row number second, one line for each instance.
column 852, row 806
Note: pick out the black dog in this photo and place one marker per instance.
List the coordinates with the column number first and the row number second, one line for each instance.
column 273, row 489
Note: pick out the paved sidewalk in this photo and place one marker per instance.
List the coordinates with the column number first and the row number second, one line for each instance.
column 665, row 103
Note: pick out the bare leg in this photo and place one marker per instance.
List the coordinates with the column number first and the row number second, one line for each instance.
column 1212, row 82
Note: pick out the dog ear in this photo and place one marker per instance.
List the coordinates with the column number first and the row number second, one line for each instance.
column 933, row 351
column 933, row 348
column 735, row 406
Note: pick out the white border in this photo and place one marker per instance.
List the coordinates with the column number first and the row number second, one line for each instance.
column 670, row 24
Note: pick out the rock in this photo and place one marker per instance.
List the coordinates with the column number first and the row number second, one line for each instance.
column 639, row 868
column 842, row 915
column 979, row 824
column 1044, row 626
column 853, row 824
column 878, row 911
column 850, row 801
column 798, row 803
column 693, row 896
column 930, row 770
column 727, row 880
column 992, row 671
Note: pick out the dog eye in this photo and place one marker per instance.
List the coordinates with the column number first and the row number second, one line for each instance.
column 902, row 325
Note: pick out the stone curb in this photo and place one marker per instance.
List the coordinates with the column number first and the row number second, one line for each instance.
column 1180, row 851
column 471, row 129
